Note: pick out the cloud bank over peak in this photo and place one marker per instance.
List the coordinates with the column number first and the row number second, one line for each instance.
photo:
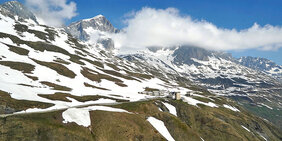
column 166, row 27
column 52, row 12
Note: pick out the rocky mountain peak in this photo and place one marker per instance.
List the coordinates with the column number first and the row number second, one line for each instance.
column 186, row 54
column 15, row 8
column 95, row 18
column 83, row 28
column 262, row 64
column 257, row 63
column 47, row 74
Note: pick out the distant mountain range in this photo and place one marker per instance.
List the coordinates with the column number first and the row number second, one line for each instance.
column 66, row 84
column 262, row 64
column 245, row 79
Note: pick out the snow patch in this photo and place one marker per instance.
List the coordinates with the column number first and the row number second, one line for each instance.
column 246, row 128
column 61, row 105
column 194, row 102
column 262, row 136
column 231, row 108
column 160, row 126
column 105, row 108
column 81, row 116
column 77, row 115
column 171, row 108
column 266, row 106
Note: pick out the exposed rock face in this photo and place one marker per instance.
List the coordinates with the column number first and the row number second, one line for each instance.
column 184, row 55
column 82, row 29
column 96, row 29
column 257, row 63
column 44, row 71
column 218, row 72
column 14, row 8
column 108, row 43
column 262, row 64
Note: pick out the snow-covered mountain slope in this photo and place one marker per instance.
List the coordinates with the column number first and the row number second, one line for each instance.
column 216, row 71
column 14, row 9
column 93, row 30
column 84, row 28
column 220, row 74
column 51, row 85
column 262, row 64
column 37, row 59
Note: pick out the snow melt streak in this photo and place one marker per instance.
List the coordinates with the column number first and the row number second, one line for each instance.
column 231, row 108
column 159, row 125
column 171, row 108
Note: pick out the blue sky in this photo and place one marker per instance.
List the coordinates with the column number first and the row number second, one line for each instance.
column 228, row 14
column 238, row 14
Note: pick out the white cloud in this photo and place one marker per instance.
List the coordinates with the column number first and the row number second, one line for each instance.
column 158, row 27
column 52, row 12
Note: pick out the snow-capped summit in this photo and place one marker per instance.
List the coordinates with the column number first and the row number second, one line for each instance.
column 94, row 18
column 15, row 9
column 47, row 74
column 84, row 28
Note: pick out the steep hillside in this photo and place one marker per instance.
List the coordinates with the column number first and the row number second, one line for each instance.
column 220, row 74
column 84, row 28
column 56, row 87
column 157, row 119
column 38, row 59
column 94, row 30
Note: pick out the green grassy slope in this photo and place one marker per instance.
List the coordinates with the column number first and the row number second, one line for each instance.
column 191, row 123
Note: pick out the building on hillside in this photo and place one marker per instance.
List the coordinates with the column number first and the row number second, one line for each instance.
column 153, row 93
column 172, row 95
column 175, row 95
